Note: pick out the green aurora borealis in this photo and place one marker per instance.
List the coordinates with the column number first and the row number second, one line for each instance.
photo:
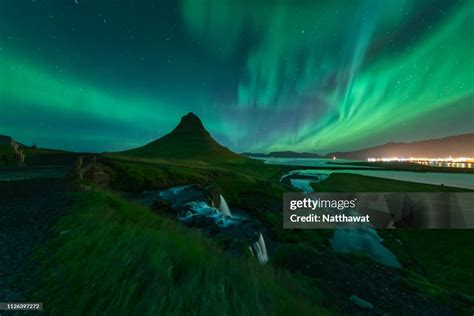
column 290, row 75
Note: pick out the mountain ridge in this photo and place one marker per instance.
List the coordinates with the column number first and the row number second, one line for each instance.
column 189, row 139
column 461, row 145
column 455, row 146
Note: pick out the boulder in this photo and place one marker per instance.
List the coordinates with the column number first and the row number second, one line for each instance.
column 163, row 207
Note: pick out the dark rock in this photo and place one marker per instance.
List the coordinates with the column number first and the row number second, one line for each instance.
column 94, row 172
column 211, row 195
column 163, row 207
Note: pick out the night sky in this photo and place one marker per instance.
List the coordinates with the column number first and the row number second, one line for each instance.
column 291, row 75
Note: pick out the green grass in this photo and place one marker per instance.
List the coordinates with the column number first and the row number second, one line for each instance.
column 444, row 255
column 114, row 257
column 347, row 182
column 137, row 176
column 233, row 177
column 436, row 263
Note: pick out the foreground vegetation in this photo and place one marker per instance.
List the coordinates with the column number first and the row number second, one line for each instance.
column 441, row 256
column 111, row 257
column 233, row 177
column 438, row 256
column 249, row 184
column 255, row 187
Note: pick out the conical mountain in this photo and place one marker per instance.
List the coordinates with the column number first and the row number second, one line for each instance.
column 188, row 140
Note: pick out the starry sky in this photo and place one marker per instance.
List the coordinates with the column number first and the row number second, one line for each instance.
column 317, row 76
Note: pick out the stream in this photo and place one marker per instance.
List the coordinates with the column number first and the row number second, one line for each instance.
column 202, row 209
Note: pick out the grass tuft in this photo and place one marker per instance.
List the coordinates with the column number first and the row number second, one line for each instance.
column 114, row 257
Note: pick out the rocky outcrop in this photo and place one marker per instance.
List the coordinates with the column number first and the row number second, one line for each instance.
column 92, row 172
column 19, row 154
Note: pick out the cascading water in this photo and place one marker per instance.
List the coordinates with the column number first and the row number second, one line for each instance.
column 203, row 209
column 223, row 207
column 195, row 208
column 259, row 250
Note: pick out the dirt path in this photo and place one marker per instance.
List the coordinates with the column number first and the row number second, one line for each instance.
column 28, row 208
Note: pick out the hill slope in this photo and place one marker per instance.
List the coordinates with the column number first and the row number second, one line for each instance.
column 455, row 146
column 188, row 140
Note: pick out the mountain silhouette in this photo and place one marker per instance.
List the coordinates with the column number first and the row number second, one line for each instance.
column 188, row 140
column 454, row 146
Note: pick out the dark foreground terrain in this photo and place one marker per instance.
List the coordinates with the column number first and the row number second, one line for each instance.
column 28, row 209
column 111, row 255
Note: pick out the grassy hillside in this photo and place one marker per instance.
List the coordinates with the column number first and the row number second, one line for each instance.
column 111, row 257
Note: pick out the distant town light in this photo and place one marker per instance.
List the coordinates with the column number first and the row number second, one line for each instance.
column 450, row 162
column 413, row 159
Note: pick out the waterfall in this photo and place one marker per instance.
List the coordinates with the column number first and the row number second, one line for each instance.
column 223, row 207
column 259, row 250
